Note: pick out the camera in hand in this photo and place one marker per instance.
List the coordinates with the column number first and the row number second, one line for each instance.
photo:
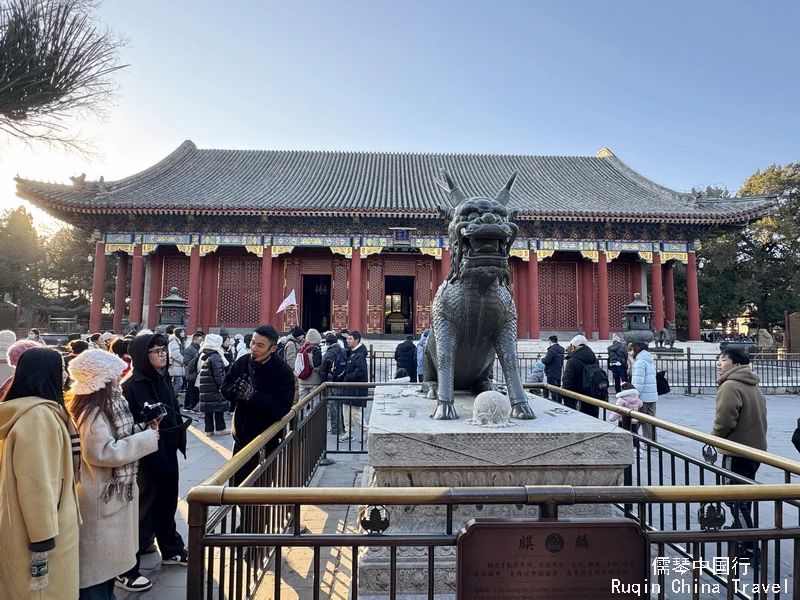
column 151, row 412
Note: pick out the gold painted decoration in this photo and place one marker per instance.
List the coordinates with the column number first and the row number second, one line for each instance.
column 519, row 253
column 185, row 248
column 542, row 254
column 680, row 256
column 207, row 249
column 592, row 255
column 646, row 256
column 611, row 255
column 127, row 248
column 257, row 250
column 435, row 252
column 148, row 248
column 278, row 250
column 343, row 250
column 367, row 250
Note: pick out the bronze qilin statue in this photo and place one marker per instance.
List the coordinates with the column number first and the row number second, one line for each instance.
column 473, row 317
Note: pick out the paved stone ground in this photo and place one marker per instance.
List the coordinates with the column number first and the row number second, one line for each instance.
column 205, row 455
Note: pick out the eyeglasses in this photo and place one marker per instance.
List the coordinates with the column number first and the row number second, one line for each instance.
column 159, row 351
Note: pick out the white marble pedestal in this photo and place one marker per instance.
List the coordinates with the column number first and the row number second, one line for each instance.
column 409, row 449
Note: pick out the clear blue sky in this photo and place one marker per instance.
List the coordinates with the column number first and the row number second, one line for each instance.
column 685, row 92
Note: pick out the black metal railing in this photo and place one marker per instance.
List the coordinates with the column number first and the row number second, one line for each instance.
column 251, row 510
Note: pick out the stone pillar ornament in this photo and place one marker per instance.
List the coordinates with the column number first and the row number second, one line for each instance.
column 473, row 317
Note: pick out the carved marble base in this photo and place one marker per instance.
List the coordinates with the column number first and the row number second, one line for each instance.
column 409, row 449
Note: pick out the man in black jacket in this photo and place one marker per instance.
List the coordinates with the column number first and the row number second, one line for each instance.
column 406, row 356
column 554, row 365
column 261, row 389
column 334, row 364
column 356, row 371
column 579, row 356
column 618, row 362
column 149, row 383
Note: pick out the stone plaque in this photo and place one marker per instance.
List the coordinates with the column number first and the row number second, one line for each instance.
column 522, row 559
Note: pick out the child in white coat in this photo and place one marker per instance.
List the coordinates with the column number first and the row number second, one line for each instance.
column 629, row 398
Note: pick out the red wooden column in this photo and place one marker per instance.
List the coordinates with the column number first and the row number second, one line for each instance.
column 156, row 275
column 266, row 285
column 121, row 292
column 587, row 297
column 355, row 316
column 98, row 285
column 533, row 297
column 602, row 296
column 636, row 279
column 521, row 293
column 444, row 267
column 658, row 291
column 194, row 291
column 669, row 292
column 137, row 280
column 693, row 298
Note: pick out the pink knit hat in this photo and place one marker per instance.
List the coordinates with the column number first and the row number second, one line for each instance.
column 17, row 348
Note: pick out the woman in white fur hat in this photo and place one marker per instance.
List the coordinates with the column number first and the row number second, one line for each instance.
column 107, row 490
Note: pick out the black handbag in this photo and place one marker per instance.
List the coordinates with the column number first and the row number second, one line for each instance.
column 662, row 387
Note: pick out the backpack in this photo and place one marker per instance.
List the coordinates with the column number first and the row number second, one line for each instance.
column 662, row 387
column 338, row 367
column 281, row 352
column 595, row 382
column 302, row 364
column 190, row 368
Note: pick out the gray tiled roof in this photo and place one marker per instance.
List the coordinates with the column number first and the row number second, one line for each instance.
column 385, row 184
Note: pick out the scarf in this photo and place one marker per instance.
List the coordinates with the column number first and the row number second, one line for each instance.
column 123, row 478
column 75, row 441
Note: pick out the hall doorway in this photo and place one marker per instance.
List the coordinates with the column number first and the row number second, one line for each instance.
column 399, row 305
column 316, row 302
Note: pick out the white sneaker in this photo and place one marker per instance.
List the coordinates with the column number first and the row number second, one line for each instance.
column 131, row 584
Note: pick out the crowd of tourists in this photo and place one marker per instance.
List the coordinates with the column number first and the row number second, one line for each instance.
column 90, row 440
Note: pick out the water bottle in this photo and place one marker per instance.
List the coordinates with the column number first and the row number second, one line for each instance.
column 39, row 571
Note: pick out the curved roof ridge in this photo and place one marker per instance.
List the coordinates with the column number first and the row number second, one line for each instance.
column 606, row 155
column 186, row 149
column 388, row 153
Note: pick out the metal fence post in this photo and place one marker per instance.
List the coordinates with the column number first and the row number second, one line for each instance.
column 688, row 372
column 198, row 517
column 371, row 363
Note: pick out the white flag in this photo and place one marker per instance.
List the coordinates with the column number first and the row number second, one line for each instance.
column 290, row 300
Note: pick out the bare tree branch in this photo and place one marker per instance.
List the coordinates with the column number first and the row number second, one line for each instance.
column 56, row 63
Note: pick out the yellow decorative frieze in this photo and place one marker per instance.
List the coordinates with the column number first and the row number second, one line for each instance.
column 278, row 250
column 346, row 251
column 257, row 250
column 435, row 252
column 127, row 248
column 367, row 250
column 207, row 249
column 592, row 255
column 646, row 256
column 680, row 256
column 148, row 248
column 185, row 248
column 611, row 255
column 542, row 254
column 519, row 253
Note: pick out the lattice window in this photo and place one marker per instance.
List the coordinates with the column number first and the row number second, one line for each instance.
column 316, row 266
column 394, row 267
column 558, row 296
column 176, row 274
column 239, row 291
column 619, row 292
column 375, row 296
column 423, row 293
column 340, row 309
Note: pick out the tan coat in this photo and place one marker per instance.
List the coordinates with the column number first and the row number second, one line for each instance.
column 38, row 498
column 110, row 531
column 741, row 414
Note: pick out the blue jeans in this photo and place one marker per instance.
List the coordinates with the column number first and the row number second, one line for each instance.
column 177, row 384
column 101, row 591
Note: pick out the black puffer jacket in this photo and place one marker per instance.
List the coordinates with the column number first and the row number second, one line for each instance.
column 618, row 352
column 357, row 371
column 211, row 377
column 406, row 356
column 554, row 361
column 146, row 385
column 573, row 374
